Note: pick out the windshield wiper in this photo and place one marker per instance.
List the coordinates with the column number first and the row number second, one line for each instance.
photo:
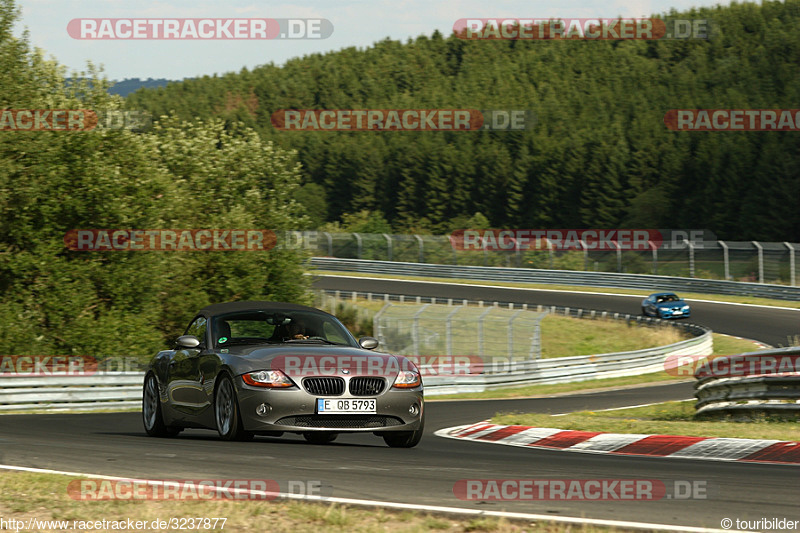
column 245, row 341
column 326, row 341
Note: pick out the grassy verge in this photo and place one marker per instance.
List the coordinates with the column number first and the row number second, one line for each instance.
column 671, row 418
column 686, row 295
column 26, row 495
column 723, row 345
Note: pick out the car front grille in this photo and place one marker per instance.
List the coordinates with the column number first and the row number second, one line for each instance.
column 324, row 386
column 340, row 421
column 360, row 386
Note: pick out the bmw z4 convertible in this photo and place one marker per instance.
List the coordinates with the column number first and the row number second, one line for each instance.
column 268, row 368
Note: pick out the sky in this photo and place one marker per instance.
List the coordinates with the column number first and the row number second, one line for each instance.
column 358, row 23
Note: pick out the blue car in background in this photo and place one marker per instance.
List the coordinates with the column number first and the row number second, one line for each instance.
column 665, row 305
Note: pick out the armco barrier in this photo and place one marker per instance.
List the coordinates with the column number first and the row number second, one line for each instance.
column 746, row 395
column 560, row 277
column 107, row 390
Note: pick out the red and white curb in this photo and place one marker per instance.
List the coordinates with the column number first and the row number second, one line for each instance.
column 709, row 448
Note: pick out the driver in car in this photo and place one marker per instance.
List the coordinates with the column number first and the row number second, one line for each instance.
column 295, row 330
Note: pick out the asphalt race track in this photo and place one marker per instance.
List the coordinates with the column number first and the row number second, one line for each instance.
column 361, row 466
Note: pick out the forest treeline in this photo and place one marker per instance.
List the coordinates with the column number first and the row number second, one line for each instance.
column 182, row 174
column 599, row 155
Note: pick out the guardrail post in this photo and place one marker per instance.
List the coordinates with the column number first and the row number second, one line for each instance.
column 330, row 243
column 760, row 261
column 791, row 264
column 691, row 258
column 619, row 256
column 421, row 248
column 388, row 246
column 726, row 259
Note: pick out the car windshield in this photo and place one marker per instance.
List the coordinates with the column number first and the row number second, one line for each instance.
column 273, row 326
column 668, row 298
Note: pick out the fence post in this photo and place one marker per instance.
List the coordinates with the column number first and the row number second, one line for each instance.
column 791, row 264
column 415, row 330
column 511, row 336
column 760, row 261
column 330, row 243
column 655, row 256
column 726, row 259
column 585, row 255
column 449, row 330
column 480, row 330
column 388, row 246
column 421, row 248
column 619, row 256
column 691, row 258
column 376, row 325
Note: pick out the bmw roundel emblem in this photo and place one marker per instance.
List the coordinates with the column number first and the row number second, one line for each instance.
column 345, row 371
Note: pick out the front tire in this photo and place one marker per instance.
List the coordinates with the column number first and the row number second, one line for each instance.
column 151, row 411
column 227, row 414
column 405, row 439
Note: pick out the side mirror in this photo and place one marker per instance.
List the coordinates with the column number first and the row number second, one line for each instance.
column 368, row 343
column 187, row 341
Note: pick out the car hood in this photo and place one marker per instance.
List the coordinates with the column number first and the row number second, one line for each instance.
column 299, row 360
column 670, row 305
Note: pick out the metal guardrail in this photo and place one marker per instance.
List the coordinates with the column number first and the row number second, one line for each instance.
column 748, row 395
column 105, row 390
column 560, row 277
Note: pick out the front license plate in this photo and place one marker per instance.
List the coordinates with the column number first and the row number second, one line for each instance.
column 677, row 312
column 333, row 407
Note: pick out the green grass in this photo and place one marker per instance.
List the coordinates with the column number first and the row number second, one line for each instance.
column 686, row 295
column 25, row 495
column 671, row 418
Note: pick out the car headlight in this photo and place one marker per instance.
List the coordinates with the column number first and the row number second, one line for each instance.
column 685, row 308
column 271, row 379
column 407, row 379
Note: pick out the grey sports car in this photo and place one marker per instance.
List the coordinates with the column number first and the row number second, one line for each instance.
column 266, row 368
